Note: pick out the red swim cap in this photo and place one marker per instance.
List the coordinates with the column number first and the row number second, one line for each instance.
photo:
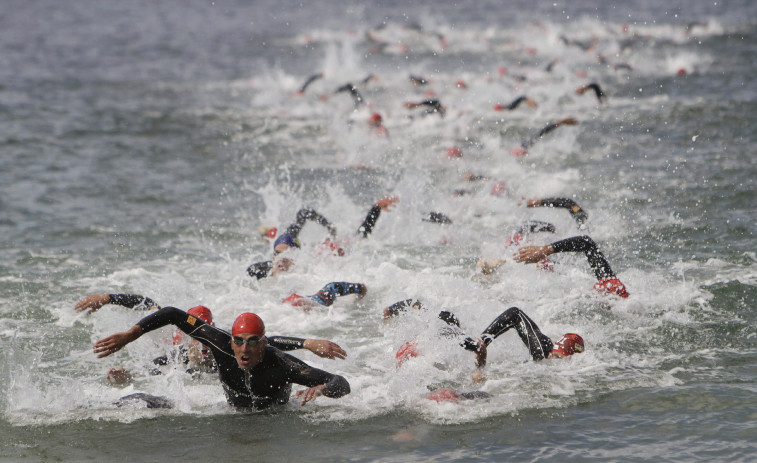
column 518, row 151
column 271, row 233
column 454, row 152
column 461, row 84
column 499, row 107
column 248, row 323
column 444, row 394
column 203, row 313
column 569, row 344
column 611, row 286
column 375, row 118
column 498, row 188
column 409, row 349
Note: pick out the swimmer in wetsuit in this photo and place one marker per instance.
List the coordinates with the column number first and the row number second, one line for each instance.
column 608, row 282
column 357, row 98
column 597, row 91
column 286, row 241
column 433, row 107
column 539, row 345
column 254, row 374
column 578, row 214
column 522, row 150
column 193, row 355
column 309, row 81
column 515, row 103
column 327, row 295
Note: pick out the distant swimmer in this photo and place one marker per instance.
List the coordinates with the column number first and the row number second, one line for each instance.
column 522, row 233
column 309, row 81
column 195, row 357
column 539, row 345
column 578, row 214
column 597, row 91
column 376, row 122
column 607, row 281
column 254, row 375
column 522, row 150
column 515, row 103
column 437, row 217
column 585, row 45
column 287, row 240
column 418, row 81
column 451, row 329
column 283, row 263
column 432, row 106
column 357, row 98
column 327, row 295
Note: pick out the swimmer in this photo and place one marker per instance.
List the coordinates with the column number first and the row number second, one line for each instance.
column 283, row 263
column 254, row 375
column 357, row 98
column 522, row 150
column 578, row 214
column 539, row 345
column 515, row 103
column 607, row 281
column 327, row 295
column 309, row 81
column 193, row 355
column 597, row 91
column 433, row 107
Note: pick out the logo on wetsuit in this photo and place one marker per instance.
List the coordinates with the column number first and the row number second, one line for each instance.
column 191, row 320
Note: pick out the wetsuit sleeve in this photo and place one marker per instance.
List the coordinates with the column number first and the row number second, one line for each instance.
column 302, row 373
column 538, row 344
column 402, row 306
column 303, row 215
column 260, row 270
column 328, row 293
column 370, row 221
column 217, row 340
column 578, row 214
column 310, row 80
column 516, row 102
column 285, row 342
column 531, row 141
column 535, row 226
column 586, row 245
column 133, row 301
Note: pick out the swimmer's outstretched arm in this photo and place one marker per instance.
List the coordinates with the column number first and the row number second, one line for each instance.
column 548, row 128
column 320, row 347
column 383, row 204
column 305, row 214
column 578, row 214
column 597, row 91
column 309, row 81
column 93, row 302
column 597, row 261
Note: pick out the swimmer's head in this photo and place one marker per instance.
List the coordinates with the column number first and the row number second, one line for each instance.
column 611, row 286
column 284, row 242
column 375, row 119
column 408, row 350
column 248, row 323
column 454, row 152
column 203, row 313
column 569, row 344
column 267, row 232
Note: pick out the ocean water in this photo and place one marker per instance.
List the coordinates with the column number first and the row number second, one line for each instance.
column 142, row 144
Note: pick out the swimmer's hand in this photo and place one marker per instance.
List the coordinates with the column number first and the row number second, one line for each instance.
column 533, row 254
column 324, row 348
column 92, row 303
column 567, row 121
column 489, row 266
column 478, row 377
column 387, row 203
column 118, row 375
column 310, row 393
column 113, row 343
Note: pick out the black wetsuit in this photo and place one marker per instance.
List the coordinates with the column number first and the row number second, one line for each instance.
column 578, row 214
column 597, row 91
column 357, row 98
column 310, row 80
column 516, row 102
column 179, row 353
column 328, row 294
column 266, row 384
column 538, row 344
column 264, row 268
column 435, row 107
column 586, row 245
column 531, row 141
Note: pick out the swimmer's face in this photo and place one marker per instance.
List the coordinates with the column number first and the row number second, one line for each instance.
column 282, row 265
column 247, row 354
column 281, row 247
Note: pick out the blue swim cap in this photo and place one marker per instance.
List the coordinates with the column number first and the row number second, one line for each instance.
column 287, row 239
